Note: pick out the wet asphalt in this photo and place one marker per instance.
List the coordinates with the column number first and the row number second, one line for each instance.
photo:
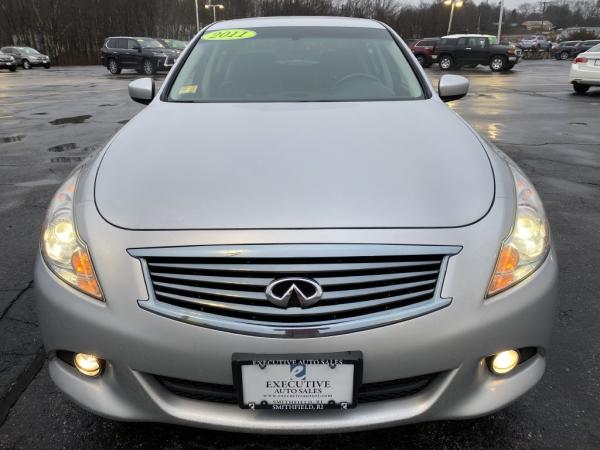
column 52, row 119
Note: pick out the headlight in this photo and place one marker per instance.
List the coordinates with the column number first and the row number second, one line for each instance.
column 527, row 245
column 62, row 248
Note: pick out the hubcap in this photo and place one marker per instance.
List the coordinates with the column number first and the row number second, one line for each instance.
column 564, row 55
column 148, row 67
column 445, row 63
column 497, row 63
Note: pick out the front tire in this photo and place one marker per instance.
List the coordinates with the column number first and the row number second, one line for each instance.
column 113, row 67
column 13, row 69
column 446, row 62
column 148, row 67
column 46, row 66
column 580, row 88
column 564, row 56
column 498, row 63
column 421, row 60
column 26, row 64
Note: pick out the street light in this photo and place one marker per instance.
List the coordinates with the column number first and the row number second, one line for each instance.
column 454, row 4
column 214, row 8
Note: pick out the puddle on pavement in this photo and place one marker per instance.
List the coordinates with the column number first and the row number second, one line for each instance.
column 584, row 124
column 106, row 104
column 66, row 159
column 63, row 147
column 15, row 138
column 40, row 114
column 74, row 119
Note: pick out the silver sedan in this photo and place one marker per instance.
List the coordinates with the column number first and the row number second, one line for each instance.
column 296, row 235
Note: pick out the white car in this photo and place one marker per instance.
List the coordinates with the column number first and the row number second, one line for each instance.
column 585, row 70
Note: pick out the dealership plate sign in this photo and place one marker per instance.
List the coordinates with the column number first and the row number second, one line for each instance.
column 298, row 383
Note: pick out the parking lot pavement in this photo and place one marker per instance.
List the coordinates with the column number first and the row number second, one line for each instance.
column 51, row 119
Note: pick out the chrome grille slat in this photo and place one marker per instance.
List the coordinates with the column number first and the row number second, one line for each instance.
column 363, row 286
column 290, row 268
column 214, row 306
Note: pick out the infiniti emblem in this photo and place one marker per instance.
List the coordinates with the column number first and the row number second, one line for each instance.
column 294, row 292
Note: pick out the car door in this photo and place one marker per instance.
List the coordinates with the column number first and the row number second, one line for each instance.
column 134, row 53
column 477, row 48
column 462, row 52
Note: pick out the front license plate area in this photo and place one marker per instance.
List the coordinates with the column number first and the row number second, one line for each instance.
column 307, row 382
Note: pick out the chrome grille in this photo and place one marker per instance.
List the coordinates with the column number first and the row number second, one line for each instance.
column 224, row 287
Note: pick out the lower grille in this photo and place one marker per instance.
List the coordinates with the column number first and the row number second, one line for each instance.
column 367, row 393
column 363, row 285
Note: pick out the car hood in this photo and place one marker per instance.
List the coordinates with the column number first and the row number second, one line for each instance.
column 294, row 165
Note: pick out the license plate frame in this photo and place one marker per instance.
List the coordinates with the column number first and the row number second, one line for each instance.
column 352, row 358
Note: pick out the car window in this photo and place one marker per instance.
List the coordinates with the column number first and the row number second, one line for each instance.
column 428, row 43
column 477, row 42
column 296, row 64
column 462, row 42
column 132, row 44
column 29, row 51
column 595, row 48
column 149, row 43
column 420, row 44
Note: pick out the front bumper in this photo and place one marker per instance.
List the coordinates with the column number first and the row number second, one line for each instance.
column 7, row 64
column 452, row 342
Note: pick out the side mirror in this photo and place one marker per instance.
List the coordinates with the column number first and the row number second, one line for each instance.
column 139, row 49
column 452, row 87
column 142, row 90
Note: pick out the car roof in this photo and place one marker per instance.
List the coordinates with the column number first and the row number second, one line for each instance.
column 297, row 21
column 453, row 36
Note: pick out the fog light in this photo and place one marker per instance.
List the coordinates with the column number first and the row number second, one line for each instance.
column 505, row 361
column 88, row 364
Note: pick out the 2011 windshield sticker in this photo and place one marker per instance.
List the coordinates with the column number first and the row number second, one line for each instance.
column 228, row 35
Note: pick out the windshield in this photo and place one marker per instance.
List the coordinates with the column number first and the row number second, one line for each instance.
column 289, row 64
column 595, row 48
column 29, row 51
column 175, row 44
column 150, row 43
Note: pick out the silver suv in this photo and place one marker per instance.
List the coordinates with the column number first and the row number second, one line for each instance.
column 280, row 243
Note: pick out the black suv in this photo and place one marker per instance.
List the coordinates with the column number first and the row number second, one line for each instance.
column 146, row 55
column 565, row 50
column 470, row 50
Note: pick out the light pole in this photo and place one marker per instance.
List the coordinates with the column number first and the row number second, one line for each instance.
column 214, row 8
column 453, row 4
column 500, row 20
column 197, row 18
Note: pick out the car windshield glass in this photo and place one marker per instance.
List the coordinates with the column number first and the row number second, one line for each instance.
column 595, row 48
column 173, row 43
column 295, row 64
column 29, row 51
column 150, row 43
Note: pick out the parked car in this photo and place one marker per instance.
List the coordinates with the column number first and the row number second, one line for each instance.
column 173, row 44
column 423, row 49
column 27, row 57
column 536, row 42
column 146, row 55
column 371, row 267
column 565, row 50
column 7, row 62
column 585, row 70
column 470, row 50
column 584, row 46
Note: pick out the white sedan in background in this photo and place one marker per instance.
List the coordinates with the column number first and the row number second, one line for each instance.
column 585, row 70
